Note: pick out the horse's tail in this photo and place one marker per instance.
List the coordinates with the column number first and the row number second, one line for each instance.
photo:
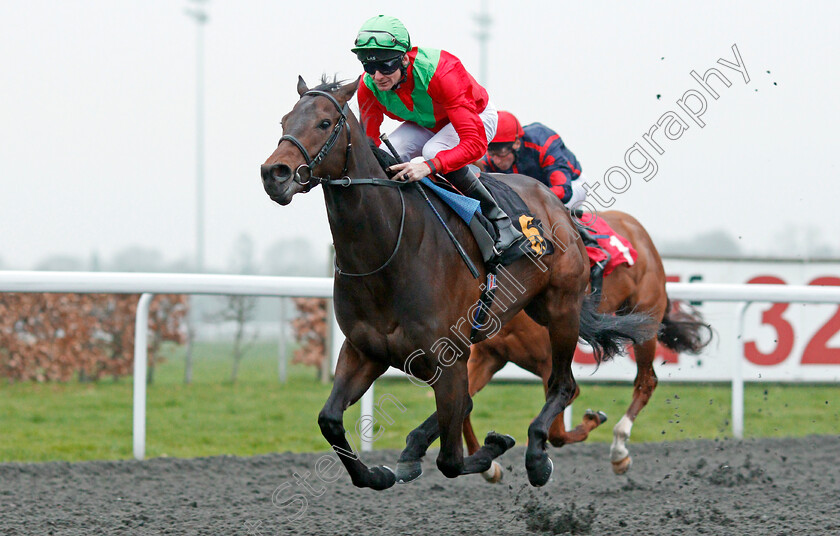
column 608, row 334
column 684, row 331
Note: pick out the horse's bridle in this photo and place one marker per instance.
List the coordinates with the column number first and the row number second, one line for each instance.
column 328, row 145
column 344, row 180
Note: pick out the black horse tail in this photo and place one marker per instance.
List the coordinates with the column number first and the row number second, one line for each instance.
column 608, row 334
column 684, row 331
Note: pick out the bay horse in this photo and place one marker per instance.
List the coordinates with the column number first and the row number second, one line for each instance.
column 640, row 287
column 402, row 298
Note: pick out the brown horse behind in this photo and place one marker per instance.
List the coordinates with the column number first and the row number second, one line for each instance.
column 640, row 287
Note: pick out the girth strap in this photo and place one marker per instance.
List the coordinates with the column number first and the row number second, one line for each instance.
column 485, row 302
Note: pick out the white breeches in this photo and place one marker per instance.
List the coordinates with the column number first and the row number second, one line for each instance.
column 411, row 140
column 578, row 193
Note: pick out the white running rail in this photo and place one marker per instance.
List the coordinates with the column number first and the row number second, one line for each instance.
column 321, row 287
column 149, row 284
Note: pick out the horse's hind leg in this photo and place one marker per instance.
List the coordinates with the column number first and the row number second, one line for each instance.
column 643, row 388
column 649, row 296
column 559, row 436
column 481, row 367
column 563, row 331
column 453, row 404
column 354, row 374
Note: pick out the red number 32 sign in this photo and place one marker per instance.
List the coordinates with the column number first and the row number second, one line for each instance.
column 817, row 351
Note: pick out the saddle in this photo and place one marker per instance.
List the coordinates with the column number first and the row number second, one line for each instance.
column 603, row 245
column 469, row 210
column 606, row 248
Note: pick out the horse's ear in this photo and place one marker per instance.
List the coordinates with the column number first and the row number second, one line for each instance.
column 346, row 92
column 301, row 87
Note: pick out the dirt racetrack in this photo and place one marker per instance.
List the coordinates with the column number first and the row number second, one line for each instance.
column 768, row 486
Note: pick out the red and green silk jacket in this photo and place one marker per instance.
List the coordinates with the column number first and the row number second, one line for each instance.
column 437, row 90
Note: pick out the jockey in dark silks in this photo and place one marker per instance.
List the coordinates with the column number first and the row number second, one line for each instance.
column 447, row 116
column 537, row 151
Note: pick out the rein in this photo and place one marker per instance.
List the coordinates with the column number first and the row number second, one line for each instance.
column 339, row 271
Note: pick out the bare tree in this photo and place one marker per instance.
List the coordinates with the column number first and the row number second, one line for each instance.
column 808, row 241
column 714, row 243
column 60, row 263
column 291, row 257
column 137, row 259
column 240, row 311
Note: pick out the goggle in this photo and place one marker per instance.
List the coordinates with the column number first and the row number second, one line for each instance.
column 385, row 67
column 380, row 38
column 501, row 152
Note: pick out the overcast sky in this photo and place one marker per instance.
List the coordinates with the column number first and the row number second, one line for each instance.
column 97, row 107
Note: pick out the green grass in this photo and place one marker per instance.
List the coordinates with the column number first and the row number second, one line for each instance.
column 73, row 421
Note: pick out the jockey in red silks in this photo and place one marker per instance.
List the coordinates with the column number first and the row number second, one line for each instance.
column 447, row 116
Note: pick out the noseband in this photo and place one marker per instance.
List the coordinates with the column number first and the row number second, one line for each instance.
column 328, row 145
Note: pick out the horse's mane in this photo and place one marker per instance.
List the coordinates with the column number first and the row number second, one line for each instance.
column 384, row 158
column 329, row 85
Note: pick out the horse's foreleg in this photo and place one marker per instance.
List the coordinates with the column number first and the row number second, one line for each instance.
column 410, row 465
column 561, row 389
column 353, row 376
column 453, row 405
column 643, row 388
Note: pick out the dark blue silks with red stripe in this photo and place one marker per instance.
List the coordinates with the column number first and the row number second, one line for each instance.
column 545, row 157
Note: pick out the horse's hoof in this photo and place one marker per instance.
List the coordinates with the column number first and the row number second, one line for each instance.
column 539, row 469
column 503, row 441
column 382, row 477
column 494, row 474
column 620, row 467
column 408, row 471
column 600, row 416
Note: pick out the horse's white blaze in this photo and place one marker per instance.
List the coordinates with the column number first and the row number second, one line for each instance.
column 621, row 433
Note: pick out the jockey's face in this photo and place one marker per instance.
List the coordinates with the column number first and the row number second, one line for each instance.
column 384, row 82
column 505, row 159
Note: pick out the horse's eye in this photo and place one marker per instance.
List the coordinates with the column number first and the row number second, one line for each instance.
column 324, row 125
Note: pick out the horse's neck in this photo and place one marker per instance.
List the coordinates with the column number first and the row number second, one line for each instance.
column 348, row 202
column 362, row 218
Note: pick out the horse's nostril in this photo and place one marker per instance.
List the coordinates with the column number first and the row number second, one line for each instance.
column 277, row 172
column 281, row 172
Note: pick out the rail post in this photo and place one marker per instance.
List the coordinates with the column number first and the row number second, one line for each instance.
column 141, row 329
column 738, row 377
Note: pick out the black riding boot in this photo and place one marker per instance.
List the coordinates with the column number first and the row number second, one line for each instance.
column 465, row 180
column 596, row 273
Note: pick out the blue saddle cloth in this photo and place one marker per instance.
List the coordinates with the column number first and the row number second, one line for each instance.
column 510, row 202
column 465, row 207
